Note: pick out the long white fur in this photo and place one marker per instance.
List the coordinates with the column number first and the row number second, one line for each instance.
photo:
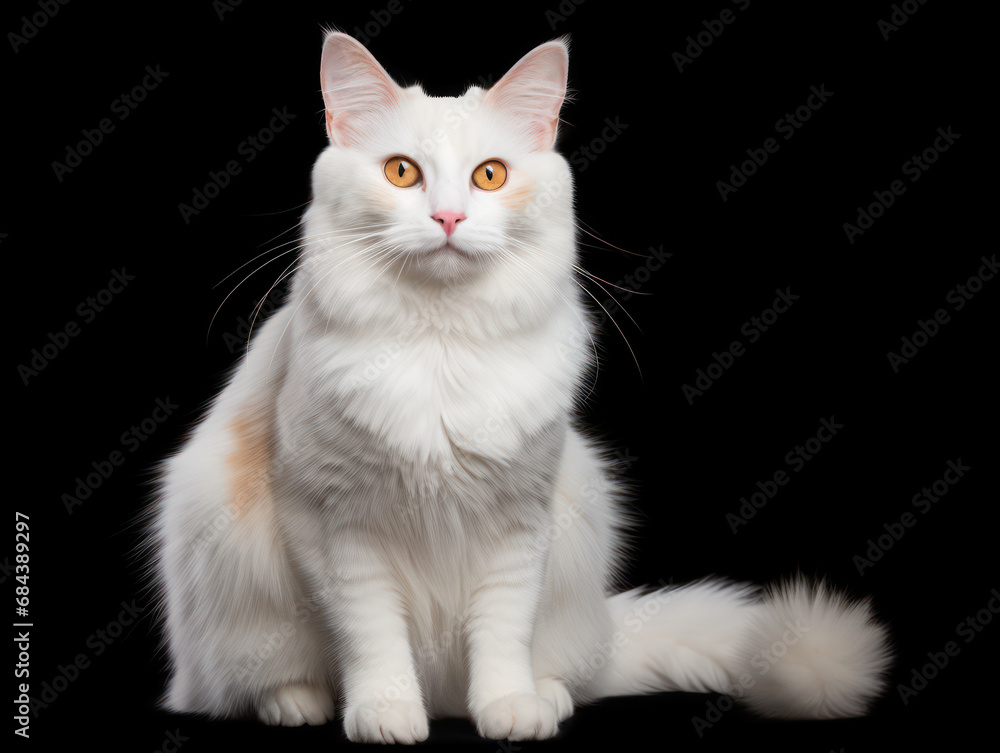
column 389, row 506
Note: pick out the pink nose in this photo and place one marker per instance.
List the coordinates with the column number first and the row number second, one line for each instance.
column 449, row 220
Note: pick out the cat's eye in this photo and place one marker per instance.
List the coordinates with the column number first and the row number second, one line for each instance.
column 402, row 172
column 490, row 175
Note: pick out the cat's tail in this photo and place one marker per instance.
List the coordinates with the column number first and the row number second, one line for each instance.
column 797, row 650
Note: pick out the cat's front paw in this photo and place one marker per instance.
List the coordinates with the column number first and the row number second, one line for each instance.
column 403, row 722
column 518, row 716
column 295, row 705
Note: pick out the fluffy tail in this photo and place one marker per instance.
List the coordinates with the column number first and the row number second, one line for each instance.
column 797, row 650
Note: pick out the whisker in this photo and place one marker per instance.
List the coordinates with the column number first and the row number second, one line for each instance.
column 275, row 248
column 533, row 248
column 306, row 294
column 231, row 292
column 597, row 280
column 586, row 328
column 597, row 237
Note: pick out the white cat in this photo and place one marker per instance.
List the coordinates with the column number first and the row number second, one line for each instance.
column 390, row 504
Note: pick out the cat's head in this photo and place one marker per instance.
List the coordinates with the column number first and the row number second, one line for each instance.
column 422, row 190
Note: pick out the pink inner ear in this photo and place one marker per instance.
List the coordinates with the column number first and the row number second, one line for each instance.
column 533, row 91
column 356, row 89
column 545, row 133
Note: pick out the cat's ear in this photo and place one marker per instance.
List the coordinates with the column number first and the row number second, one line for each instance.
column 533, row 91
column 356, row 89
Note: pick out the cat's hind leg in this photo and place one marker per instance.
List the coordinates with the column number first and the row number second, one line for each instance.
column 295, row 705
column 244, row 639
column 575, row 637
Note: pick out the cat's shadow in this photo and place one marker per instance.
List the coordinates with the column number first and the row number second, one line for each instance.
column 462, row 731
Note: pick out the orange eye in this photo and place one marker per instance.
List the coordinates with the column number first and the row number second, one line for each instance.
column 402, row 172
column 490, row 175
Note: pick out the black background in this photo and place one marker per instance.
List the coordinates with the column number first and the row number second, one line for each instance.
column 654, row 185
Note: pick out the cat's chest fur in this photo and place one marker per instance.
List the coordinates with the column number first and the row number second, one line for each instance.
column 425, row 412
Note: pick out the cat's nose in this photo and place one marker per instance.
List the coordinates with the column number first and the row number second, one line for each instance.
column 449, row 220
